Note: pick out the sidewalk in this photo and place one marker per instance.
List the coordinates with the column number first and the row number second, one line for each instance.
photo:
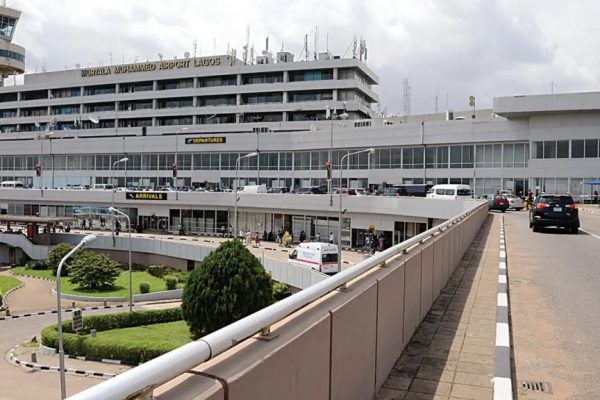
column 452, row 354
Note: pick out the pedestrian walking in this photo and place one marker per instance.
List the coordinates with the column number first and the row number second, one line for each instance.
column 595, row 197
column 257, row 239
column 330, row 237
column 302, row 236
column 318, row 237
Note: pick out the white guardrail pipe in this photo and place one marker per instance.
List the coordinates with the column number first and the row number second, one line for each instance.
column 174, row 363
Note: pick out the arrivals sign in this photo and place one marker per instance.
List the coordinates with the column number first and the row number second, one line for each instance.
column 206, row 140
column 146, row 196
column 153, row 66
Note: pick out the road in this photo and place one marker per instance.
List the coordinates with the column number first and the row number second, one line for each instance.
column 18, row 383
column 553, row 281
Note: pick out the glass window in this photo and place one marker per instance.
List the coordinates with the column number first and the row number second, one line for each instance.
column 509, row 155
column 455, row 156
column 562, row 149
column 539, row 149
column 577, row 147
column 591, row 148
column 550, row 149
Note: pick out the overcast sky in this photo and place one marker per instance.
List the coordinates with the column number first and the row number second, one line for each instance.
column 448, row 48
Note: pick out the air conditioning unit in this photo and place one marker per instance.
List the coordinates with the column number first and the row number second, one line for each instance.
column 285, row 57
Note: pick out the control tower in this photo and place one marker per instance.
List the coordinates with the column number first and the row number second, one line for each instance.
column 12, row 56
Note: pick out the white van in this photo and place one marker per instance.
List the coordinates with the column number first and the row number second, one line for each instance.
column 450, row 192
column 254, row 189
column 320, row 256
column 12, row 184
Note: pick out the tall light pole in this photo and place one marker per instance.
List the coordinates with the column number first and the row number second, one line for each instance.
column 235, row 191
column 343, row 115
column 61, row 352
column 112, row 179
column 42, row 137
column 176, row 169
column 117, row 211
column 370, row 151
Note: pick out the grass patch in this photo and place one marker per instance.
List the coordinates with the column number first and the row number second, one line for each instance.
column 167, row 336
column 121, row 288
column 7, row 283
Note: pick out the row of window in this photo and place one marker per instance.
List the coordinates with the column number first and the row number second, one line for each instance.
column 459, row 156
column 580, row 148
column 174, row 84
column 185, row 102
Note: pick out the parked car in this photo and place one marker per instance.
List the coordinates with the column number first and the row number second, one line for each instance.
column 514, row 202
column 496, row 201
column 557, row 210
column 308, row 190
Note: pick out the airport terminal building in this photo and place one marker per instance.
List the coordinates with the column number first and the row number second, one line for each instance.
column 133, row 125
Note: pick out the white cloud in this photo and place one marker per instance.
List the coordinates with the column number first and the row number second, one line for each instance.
column 455, row 47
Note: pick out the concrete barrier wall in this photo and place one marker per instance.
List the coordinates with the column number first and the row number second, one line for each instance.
column 344, row 345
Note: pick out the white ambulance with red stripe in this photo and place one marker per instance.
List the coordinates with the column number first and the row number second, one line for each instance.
column 320, row 256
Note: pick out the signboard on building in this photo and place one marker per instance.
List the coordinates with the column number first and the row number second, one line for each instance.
column 161, row 196
column 77, row 320
column 206, row 140
column 153, row 66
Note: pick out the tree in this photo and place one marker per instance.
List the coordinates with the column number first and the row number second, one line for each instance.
column 281, row 291
column 229, row 284
column 94, row 271
column 57, row 254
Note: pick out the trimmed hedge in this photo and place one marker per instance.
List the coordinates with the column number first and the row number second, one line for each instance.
column 96, row 348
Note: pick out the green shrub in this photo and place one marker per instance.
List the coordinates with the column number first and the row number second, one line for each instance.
column 37, row 265
column 144, row 287
column 229, row 284
column 157, row 271
column 281, row 291
column 57, row 254
column 78, row 345
column 94, row 271
column 180, row 276
column 171, row 282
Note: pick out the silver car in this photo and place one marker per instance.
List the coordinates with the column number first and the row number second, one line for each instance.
column 514, row 202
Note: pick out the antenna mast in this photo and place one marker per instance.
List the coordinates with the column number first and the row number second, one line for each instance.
column 246, row 45
column 405, row 98
column 316, row 40
column 306, row 46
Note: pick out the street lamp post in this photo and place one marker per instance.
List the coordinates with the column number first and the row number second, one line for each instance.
column 42, row 137
column 235, row 190
column 61, row 352
column 176, row 164
column 343, row 115
column 117, row 211
column 112, row 179
column 370, row 151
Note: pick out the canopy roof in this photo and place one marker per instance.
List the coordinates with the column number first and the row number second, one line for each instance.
column 36, row 220
column 592, row 182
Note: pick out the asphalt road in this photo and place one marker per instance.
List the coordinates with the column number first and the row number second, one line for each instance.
column 18, row 383
column 554, row 281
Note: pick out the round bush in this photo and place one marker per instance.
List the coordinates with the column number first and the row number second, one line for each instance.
column 229, row 284
column 144, row 287
column 57, row 254
column 171, row 282
column 281, row 291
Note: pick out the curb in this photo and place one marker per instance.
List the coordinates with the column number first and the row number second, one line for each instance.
column 51, row 351
column 38, row 313
column 41, row 367
column 32, row 276
column 503, row 370
column 3, row 302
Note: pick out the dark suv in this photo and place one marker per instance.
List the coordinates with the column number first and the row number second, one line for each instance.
column 554, row 210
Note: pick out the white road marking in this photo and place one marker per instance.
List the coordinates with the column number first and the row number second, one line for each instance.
column 589, row 233
column 501, row 278
column 502, row 334
column 502, row 300
column 502, row 389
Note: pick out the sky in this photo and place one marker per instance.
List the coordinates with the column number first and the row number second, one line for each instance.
column 447, row 49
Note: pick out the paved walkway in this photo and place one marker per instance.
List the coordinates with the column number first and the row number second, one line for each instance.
column 452, row 354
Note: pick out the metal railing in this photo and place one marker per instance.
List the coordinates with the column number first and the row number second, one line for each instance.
column 140, row 380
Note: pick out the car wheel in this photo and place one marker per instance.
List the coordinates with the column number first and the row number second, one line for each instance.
column 503, row 210
column 535, row 228
column 574, row 230
column 530, row 225
column 518, row 209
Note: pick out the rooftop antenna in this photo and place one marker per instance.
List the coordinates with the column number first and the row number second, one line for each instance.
column 252, row 54
column 160, row 56
column 267, row 43
column 405, row 98
column 195, row 46
column 282, row 45
column 110, row 57
column 436, row 101
column 306, row 46
column 246, row 45
column 327, row 41
column 77, row 65
column 354, row 44
column 214, row 46
column 365, row 50
column 186, row 54
column 316, row 40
